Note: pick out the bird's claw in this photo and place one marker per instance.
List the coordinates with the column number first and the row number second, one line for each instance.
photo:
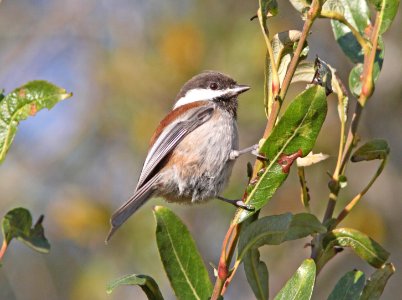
column 241, row 204
column 258, row 155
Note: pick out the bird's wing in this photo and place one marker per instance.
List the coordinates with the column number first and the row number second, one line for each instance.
column 171, row 137
column 164, row 144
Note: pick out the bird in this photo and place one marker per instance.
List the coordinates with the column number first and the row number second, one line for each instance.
column 192, row 151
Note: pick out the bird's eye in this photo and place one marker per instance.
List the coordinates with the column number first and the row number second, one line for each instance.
column 213, row 85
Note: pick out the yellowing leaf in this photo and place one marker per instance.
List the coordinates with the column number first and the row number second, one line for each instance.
column 311, row 159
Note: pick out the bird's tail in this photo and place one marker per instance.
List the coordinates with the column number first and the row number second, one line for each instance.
column 140, row 196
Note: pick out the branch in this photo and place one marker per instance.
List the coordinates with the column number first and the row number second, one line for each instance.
column 3, row 249
column 366, row 92
column 342, row 215
column 232, row 235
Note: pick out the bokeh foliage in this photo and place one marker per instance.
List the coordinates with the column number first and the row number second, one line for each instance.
column 124, row 76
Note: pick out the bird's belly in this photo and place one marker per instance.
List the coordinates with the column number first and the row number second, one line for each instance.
column 199, row 167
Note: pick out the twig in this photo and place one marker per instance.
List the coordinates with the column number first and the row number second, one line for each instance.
column 304, row 194
column 340, row 169
column 3, row 249
column 357, row 198
column 367, row 91
column 222, row 267
column 311, row 16
column 232, row 273
column 272, row 91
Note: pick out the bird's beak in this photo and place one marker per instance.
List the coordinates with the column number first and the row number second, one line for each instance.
column 238, row 89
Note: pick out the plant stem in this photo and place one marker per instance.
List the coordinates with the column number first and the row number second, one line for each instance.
column 342, row 215
column 275, row 77
column 311, row 16
column 230, row 241
column 367, row 91
column 232, row 273
column 3, row 249
column 340, row 169
column 304, row 194
column 267, row 94
column 272, row 91
column 351, row 139
column 223, row 267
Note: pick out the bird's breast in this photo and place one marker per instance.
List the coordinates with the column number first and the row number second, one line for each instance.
column 199, row 167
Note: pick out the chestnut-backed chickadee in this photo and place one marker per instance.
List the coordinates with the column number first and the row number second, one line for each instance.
column 192, row 151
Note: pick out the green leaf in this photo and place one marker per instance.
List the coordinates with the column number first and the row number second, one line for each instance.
column 256, row 273
column 256, row 270
column 147, row 284
column 376, row 283
column 2, row 95
column 274, row 230
column 269, row 7
column 17, row 224
column 349, row 287
column 357, row 13
column 294, row 135
column 374, row 149
column 270, row 230
column 355, row 84
column 23, row 102
column 180, row 257
column 388, row 10
column 301, row 285
column 299, row 126
column 302, row 225
column 364, row 246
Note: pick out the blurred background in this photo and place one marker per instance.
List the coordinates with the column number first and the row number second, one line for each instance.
column 125, row 61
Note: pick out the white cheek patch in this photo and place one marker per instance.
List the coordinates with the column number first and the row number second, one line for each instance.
column 200, row 95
